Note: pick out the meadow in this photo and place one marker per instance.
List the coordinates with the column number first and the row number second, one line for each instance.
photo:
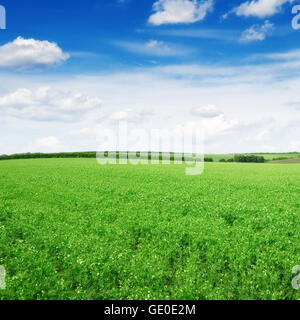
column 72, row 229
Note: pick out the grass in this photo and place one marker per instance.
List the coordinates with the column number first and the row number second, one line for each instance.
column 72, row 229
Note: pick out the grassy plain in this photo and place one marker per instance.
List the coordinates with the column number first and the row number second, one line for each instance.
column 72, row 229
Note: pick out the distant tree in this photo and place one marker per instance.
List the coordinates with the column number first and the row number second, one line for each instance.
column 249, row 158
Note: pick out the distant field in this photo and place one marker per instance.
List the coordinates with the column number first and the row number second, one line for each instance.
column 272, row 156
column 288, row 161
column 72, row 229
column 267, row 156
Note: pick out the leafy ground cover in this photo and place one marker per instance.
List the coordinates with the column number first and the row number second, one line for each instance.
column 72, row 229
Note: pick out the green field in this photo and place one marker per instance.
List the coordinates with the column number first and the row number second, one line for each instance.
column 267, row 156
column 72, row 229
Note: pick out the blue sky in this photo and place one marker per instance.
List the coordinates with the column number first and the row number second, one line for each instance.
column 97, row 27
column 69, row 69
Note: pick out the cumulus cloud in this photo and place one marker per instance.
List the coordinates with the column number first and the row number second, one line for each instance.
column 179, row 11
column 212, row 127
column 129, row 115
column 31, row 54
column 125, row 115
column 208, row 111
column 48, row 144
column 213, row 121
column 244, row 91
column 259, row 8
column 46, row 104
column 257, row 32
column 218, row 125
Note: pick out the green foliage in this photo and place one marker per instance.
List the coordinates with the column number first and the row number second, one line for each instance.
column 119, row 155
column 73, row 229
column 208, row 158
column 48, row 155
column 280, row 158
column 249, row 158
column 228, row 160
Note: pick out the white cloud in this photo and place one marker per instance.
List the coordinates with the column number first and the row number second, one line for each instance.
column 46, row 104
column 295, row 145
column 257, row 32
column 203, row 33
column 81, row 131
column 124, row 115
column 294, row 103
column 153, row 48
column 48, row 144
column 288, row 55
column 129, row 115
column 154, row 44
column 218, row 125
column 179, row 11
column 245, row 93
column 212, row 127
column 260, row 136
column 259, row 8
column 208, row 111
column 30, row 54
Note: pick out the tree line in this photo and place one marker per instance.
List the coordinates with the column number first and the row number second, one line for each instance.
column 126, row 155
